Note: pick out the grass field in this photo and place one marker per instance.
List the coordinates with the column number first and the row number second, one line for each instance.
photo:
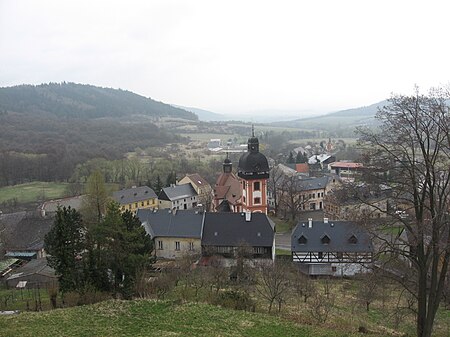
column 152, row 318
column 32, row 192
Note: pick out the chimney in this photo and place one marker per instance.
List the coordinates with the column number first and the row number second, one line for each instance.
column 325, row 220
column 309, row 222
column 248, row 216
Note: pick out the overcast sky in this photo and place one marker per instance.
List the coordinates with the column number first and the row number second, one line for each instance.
column 231, row 56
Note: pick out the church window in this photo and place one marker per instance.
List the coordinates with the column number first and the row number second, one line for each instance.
column 257, row 200
column 257, row 186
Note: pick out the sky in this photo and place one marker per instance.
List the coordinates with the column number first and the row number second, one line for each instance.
column 231, row 57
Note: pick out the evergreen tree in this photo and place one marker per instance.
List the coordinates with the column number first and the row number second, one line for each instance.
column 65, row 244
column 123, row 248
column 291, row 158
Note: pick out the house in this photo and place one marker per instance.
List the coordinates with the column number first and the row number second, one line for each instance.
column 333, row 248
column 322, row 159
column 178, row 197
column 225, row 233
column 313, row 190
column 227, row 190
column 307, row 193
column 132, row 199
column 36, row 273
column 174, row 233
column 201, row 186
column 347, row 171
column 357, row 202
column 24, row 233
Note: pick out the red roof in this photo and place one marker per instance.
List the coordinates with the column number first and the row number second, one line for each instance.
column 302, row 168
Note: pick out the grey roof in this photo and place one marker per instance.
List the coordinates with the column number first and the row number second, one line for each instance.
column 177, row 192
column 166, row 223
column 339, row 233
column 304, row 184
column 25, row 231
column 134, row 194
column 36, row 266
column 72, row 202
column 231, row 229
column 313, row 183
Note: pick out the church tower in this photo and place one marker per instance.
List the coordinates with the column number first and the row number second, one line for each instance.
column 253, row 171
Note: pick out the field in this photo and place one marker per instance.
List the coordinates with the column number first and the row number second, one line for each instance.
column 191, row 316
column 32, row 192
column 152, row 318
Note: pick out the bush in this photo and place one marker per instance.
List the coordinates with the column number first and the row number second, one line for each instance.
column 237, row 300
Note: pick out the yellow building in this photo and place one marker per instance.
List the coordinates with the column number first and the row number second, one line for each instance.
column 136, row 198
column 174, row 233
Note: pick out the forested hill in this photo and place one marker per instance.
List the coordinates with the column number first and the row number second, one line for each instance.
column 83, row 101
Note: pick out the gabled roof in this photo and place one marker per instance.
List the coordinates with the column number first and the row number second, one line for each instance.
column 72, row 202
column 25, row 230
column 339, row 233
column 232, row 229
column 197, row 180
column 166, row 223
column 313, row 183
column 177, row 192
column 318, row 158
column 36, row 266
column 135, row 194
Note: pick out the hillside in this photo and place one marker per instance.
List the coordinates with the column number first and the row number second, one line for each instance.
column 204, row 115
column 152, row 318
column 73, row 100
column 349, row 119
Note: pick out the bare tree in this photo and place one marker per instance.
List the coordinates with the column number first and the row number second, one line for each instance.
column 273, row 185
column 272, row 283
column 410, row 153
column 291, row 198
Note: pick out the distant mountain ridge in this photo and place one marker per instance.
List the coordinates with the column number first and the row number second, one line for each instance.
column 85, row 101
column 204, row 115
column 349, row 118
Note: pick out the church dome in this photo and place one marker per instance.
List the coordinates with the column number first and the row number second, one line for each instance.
column 253, row 164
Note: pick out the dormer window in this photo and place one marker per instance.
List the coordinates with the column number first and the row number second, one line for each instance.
column 325, row 240
column 302, row 240
column 353, row 240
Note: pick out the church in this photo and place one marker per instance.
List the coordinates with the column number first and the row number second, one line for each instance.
column 246, row 191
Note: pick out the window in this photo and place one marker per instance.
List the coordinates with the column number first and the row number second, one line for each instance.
column 302, row 240
column 177, row 245
column 243, row 199
column 160, row 245
column 136, row 204
column 340, row 255
column 257, row 186
column 258, row 250
column 191, row 246
column 148, row 202
column 353, row 240
column 257, row 200
column 333, row 269
column 325, row 240
column 314, row 195
column 320, row 255
column 142, row 204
